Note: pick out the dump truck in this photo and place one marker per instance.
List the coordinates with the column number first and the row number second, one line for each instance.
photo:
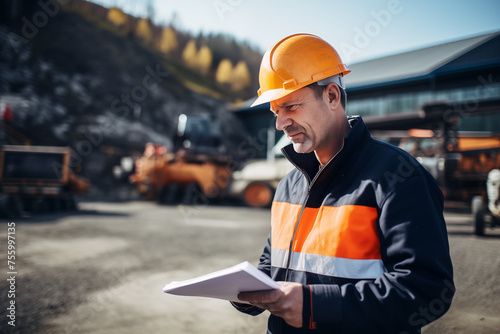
column 37, row 178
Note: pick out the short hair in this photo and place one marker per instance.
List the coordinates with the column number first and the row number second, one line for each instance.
column 319, row 89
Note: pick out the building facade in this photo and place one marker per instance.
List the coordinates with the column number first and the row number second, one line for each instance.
column 463, row 71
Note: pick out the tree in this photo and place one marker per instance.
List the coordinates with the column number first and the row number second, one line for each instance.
column 168, row 40
column 117, row 16
column 204, row 59
column 189, row 55
column 240, row 76
column 144, row 31
column 150, row 10
column 224, row 72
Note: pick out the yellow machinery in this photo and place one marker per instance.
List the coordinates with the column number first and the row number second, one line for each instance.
column 171, row 178
column 37, row 178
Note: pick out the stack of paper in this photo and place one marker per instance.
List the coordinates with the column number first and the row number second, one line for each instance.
column 224, row 284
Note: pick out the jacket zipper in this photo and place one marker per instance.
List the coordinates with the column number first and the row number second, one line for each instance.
column 311, row 183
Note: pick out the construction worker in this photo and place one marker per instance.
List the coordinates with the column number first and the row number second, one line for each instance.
column 358, row 240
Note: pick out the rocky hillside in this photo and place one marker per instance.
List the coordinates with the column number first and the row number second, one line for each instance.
column 71, row 82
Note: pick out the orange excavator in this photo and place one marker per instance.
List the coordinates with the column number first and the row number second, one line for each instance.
column 198, row 171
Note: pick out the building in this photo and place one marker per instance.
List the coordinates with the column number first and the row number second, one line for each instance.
column 465, row 71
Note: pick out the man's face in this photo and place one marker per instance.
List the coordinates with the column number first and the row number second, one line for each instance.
column 306, row 120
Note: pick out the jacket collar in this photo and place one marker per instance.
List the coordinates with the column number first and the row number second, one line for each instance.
column 307, row 162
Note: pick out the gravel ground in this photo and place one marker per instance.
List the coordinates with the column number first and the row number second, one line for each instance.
column 101, row 270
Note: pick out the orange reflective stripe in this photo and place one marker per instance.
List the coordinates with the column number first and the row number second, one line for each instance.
column 283, row 219
column 347, row 231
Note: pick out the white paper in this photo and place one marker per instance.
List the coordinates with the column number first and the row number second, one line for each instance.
column 224, row 284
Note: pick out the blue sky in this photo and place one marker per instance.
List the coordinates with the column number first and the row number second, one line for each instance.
column 359, row 30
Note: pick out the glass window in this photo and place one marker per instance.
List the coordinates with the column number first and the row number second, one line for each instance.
column 395, row 103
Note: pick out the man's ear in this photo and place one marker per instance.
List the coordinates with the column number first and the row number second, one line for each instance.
column 333, row 95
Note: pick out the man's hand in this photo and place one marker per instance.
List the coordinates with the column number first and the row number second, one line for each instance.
column 285, row 302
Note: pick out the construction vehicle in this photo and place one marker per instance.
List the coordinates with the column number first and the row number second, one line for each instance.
column 460, row 168
column 459, row 161
column 490, row 213
column 197, row 172
column 256, row 181
column 37, row 178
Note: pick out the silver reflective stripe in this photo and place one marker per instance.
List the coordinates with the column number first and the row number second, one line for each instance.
column 330, row 266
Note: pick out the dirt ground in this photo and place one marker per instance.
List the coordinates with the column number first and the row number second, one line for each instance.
column 101, row 270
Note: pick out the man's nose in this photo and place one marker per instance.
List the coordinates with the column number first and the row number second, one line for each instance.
column 282, row 121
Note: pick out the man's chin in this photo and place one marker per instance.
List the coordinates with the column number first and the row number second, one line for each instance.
column 302, row 148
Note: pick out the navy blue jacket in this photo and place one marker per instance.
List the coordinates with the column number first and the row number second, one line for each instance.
column 366, row 237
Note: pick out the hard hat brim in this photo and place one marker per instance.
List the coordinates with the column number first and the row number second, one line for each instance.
column 272, row 95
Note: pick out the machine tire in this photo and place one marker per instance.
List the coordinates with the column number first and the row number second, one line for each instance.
column 68, row 202
column 192, row 194
column 495, row 221
column 73, row 203
column 43, row 205
column 478, row 215
column 174, row 193
column 162, row 196
column 54, row 204
column 258, row 195
column 4, row 207
column 15, row 207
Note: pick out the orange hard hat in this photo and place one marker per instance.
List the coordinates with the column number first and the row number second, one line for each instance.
column 295, row 62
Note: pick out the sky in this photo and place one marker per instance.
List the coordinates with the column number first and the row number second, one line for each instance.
column 358, row 29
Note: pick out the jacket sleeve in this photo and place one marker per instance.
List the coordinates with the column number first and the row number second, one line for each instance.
column 418, row 286
column 264, row 266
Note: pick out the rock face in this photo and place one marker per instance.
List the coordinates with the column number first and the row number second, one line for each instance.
column 74, row 84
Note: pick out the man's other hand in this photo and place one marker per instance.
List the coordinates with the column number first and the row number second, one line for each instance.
column 285, row 302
